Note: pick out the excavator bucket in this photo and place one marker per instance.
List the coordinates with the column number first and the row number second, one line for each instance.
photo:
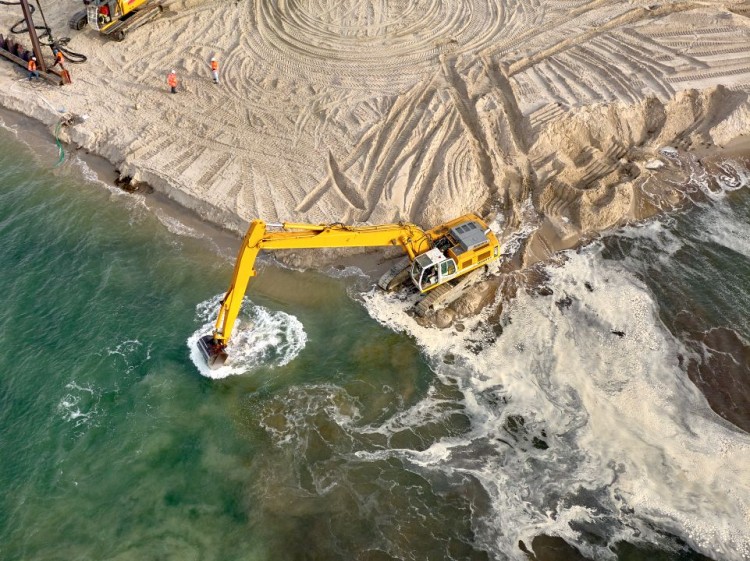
column 213, row 352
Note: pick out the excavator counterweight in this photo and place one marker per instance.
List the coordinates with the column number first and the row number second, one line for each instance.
column 435, row 259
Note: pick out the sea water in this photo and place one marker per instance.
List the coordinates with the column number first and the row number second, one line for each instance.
column 344, row 430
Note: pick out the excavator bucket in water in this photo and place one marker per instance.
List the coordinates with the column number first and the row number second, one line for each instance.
column 213, row 351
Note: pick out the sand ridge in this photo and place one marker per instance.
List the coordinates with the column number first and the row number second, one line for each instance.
column 373, row 111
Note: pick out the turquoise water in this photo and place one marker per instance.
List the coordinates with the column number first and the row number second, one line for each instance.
column 113, row 446
column 345, row 439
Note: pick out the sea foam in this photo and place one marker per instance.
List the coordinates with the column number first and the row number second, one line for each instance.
column 626, row 442
column 261, row 338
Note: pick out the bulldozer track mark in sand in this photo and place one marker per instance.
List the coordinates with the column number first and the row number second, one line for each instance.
column 714, row 77
column 627, row 18
column 246, row 200
column 559, row 199
column 620, row 86
column 159, row 148
column 638, row 63
column 501, row 82
column 461, row 170
column 187, row 158
column 709, row 51
column 213, row 172
column 535, row 75
column 575, row 84
column 557, row 84
column 360, row 150
column 741, row 10
column 399, row 45
column 423, row 162
column 417, row 145
column 527, row 38
column 593, row 172
column 546, row 114
column 391, row 139
column 469, row 119
column 581, row 60
column 431, row 166
column 696, row 32
column 648, row 53
column 344, row 186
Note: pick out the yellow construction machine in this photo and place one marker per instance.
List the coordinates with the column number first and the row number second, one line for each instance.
column 436, row 260
column 114, row 18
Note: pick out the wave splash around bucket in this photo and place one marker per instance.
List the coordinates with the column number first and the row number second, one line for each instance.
column 261, row 338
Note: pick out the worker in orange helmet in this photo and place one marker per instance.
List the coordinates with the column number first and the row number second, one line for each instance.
column 31, row 67
column 172, row 81
column 215, row 70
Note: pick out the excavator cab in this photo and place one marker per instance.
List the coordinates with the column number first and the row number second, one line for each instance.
column 432, row 269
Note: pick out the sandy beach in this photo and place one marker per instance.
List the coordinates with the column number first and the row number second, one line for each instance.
column 420, row 111
column 555, row 120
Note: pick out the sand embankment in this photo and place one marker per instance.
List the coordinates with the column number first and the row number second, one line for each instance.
column 377, row 112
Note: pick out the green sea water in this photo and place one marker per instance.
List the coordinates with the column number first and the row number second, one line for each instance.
column 113, row 446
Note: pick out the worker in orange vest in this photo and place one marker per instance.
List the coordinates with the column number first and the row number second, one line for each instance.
column 215, row 70
column 59, row 59
column 172, row 81
column 31, row 67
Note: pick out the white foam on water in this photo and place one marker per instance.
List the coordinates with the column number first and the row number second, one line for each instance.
column 346, row 272
column 131, row 352
column 719, row 222
column 732, row 176
column 90, row 175
column 80, row 405
column 11, row 129
column 174, row 225
column 600, row 376
column 261, row 338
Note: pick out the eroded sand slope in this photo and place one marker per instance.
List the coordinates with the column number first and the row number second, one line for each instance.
column 375, row 111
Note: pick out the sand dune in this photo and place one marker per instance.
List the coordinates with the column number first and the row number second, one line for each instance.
column 374, row 111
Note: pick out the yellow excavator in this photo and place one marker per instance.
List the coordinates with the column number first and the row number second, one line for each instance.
column 114, row 18
column 437, row 258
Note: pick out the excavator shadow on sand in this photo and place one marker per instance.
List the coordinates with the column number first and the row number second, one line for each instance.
column 437, row 262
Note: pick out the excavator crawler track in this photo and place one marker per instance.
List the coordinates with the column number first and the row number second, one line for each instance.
column 444, row 294
column 133, row 21
column 396, row 275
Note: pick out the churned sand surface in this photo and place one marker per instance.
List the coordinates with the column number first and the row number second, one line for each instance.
column 378, row 111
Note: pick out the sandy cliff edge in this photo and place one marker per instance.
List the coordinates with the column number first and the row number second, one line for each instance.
column 545, row 116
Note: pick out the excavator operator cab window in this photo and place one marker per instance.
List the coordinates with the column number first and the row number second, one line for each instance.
column 447, row 268
column 429, row 276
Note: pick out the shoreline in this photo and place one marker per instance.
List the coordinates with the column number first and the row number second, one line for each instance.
column 482, row 122
column 37, row 137
column 480, row 127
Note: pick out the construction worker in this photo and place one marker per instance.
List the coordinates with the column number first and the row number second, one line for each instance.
column 33, row 72
column 59, row 59
column 172, row 81
column 215, row 69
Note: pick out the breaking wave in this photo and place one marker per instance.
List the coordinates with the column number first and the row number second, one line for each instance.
column 582, row 418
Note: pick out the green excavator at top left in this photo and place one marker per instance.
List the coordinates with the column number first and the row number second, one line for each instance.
column 115, row 18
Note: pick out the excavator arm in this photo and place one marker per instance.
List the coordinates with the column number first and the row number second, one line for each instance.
column 412, row 239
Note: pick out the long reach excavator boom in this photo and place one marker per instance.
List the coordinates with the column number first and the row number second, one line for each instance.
column 436, row 257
